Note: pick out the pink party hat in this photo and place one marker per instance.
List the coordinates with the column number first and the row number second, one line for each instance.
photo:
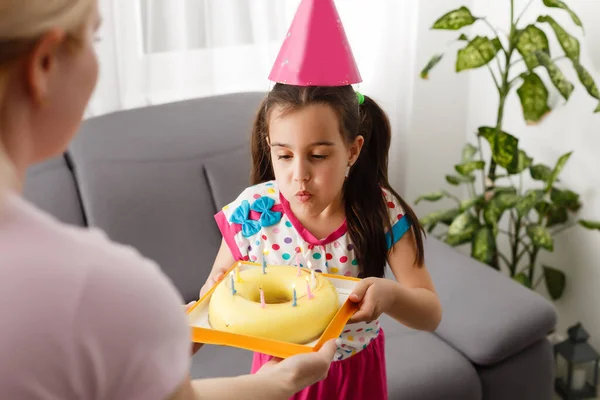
column 316, row 50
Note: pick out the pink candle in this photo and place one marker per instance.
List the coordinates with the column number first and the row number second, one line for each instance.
column 310, row 295
column 262, row 298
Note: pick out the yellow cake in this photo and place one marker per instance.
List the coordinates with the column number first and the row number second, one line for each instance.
column 239, row 309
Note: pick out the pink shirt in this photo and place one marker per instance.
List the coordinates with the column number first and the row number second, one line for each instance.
column 82, row 317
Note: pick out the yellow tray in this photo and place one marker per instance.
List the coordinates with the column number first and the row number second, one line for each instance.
column 202, row 332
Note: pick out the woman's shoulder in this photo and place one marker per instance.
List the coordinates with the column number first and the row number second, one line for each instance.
column 99, row 294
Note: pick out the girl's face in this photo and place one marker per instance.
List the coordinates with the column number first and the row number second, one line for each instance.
column 310, row 157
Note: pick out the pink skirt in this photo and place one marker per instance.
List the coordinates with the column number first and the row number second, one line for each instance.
column 362, row 376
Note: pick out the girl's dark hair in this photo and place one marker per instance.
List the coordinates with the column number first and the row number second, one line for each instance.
column 367, row 215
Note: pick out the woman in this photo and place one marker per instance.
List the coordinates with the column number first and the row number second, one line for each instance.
column 82, row 317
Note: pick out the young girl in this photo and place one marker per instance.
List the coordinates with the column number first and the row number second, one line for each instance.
column 319, row 174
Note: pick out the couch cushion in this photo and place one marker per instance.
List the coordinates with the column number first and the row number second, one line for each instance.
column 146, row 178
column 486, row 315
column 51, row 186
column 420, row 366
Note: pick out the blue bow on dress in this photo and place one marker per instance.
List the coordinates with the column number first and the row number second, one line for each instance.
column 240, row 216
column 267, row 218
column 263, row 206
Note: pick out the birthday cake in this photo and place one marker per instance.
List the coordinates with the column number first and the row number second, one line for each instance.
column 284, row 303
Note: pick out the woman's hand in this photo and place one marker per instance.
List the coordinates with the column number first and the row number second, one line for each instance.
column 195, row 346
column 375, row 296
column 302, row 370
column 212, row 281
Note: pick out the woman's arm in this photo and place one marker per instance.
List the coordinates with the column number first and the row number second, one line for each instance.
column 276, row 380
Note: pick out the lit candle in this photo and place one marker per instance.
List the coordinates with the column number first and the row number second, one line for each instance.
column 262, row 298
column 294, row 304
column 264, row 264
column 310, row 295
column 237, row 272
column 312, row 276
column 233, row 291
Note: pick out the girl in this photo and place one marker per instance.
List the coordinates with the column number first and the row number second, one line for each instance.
column 320, row 161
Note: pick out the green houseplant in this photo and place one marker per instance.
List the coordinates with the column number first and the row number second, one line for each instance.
column 535, row 215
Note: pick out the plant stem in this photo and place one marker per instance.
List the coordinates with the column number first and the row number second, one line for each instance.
column 532, row 262
column 515, row 244
column 523, row 12
column 495, row 33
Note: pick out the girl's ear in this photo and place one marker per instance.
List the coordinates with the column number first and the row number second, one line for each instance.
column 356, row 148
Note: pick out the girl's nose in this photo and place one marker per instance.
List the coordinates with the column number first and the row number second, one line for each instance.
column 301, row 172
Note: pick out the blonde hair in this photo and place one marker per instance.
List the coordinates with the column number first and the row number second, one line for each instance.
column 22, row 23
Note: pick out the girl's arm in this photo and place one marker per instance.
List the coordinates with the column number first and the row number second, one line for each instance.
column 223, row 262
column 412, row 300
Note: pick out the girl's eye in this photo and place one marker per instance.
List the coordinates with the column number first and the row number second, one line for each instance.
column 284, row 157
column 319, row 156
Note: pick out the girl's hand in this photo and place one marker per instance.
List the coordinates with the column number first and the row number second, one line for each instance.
column 212, row 281
column 375, row 297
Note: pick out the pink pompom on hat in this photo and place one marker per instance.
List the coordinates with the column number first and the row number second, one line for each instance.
column 316, row 51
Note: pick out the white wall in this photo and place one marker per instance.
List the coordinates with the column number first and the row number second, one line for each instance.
column 438, row 116
column 568, row 127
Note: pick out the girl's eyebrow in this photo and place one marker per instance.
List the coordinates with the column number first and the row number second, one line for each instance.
column 315, row 144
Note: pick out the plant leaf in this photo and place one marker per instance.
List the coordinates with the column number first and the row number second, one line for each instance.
column 457, row 180
column 556, row 76
column 589, row 224
column 523, row 163
column 504, row 146
column 569, row 44
column 555, row 281
column 527, row 202
column 597, row 109
column 484, row 245
column 432, row 196
column 565, row 198
column 531, row 40
column 506, row 200
column 477, row 53
column 435, row 59
column 534, row 98
column 468, row 152
column 469, row 167
column 463, row 38
column 540, row 172
column 455, row 19
column 469, row 203
column 560, row 4
column 463, row 225
column 555, row 215
column 586, row 80
column 557, row 169
column 523, row 279
column 443, row 216
column 540, row 237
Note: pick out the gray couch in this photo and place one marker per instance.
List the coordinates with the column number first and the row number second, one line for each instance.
column 153, row 178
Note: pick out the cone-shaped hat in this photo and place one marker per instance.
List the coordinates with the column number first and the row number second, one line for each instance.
column 316, row 51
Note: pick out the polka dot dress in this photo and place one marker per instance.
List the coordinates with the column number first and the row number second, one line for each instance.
column 260, row 223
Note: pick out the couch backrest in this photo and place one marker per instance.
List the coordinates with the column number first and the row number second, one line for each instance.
column 154, row 177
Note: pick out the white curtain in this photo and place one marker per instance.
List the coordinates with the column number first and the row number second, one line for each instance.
column 158, row 51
